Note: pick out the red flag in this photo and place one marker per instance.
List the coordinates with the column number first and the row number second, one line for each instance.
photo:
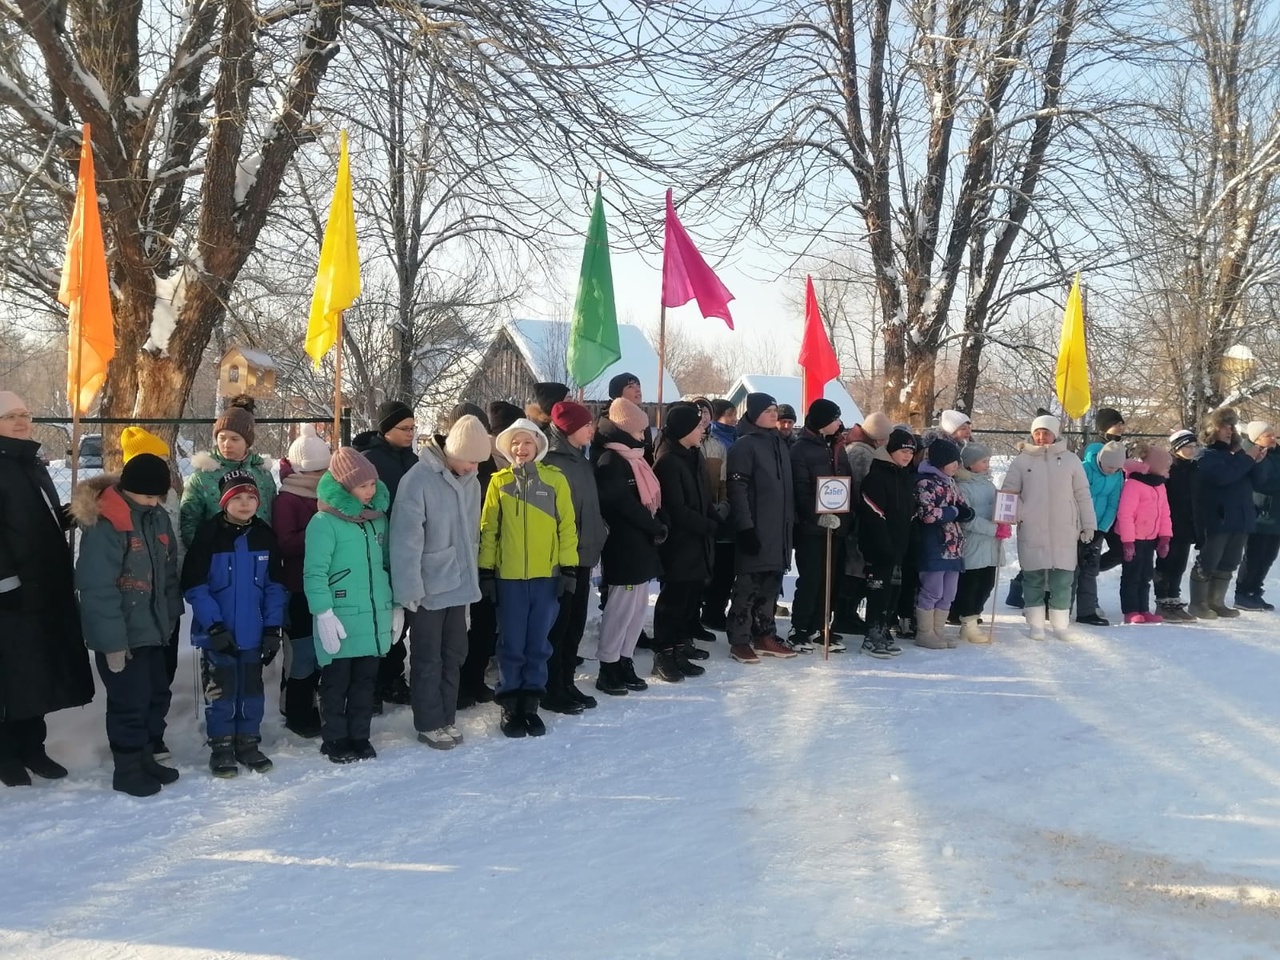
column 817, row 358
column 686, row 276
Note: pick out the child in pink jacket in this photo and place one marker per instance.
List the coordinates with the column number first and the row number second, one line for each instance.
column 1145, row 528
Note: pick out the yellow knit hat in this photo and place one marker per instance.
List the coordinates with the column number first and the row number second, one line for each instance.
column 135, row 440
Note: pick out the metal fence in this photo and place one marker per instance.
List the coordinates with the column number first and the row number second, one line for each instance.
column 1007, row 443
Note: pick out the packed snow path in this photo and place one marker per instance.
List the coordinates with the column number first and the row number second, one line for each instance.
column 1118, row 796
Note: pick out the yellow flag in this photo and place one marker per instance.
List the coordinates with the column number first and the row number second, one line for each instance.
column 1073, row 361
column 338, row 278
column 84, row 291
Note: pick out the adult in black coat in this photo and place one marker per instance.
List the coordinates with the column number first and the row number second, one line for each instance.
column 884, row 509
column 44, row 665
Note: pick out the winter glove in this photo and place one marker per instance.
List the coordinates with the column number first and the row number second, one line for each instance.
column 1003, row 531
column 964, row 513
column 271, row 638
column 660, row 537
column 412, row 606
column 720, row 510
column 948, row 514
column 331, row 632
column 1128, row 550
column 489, row 586
column 116, row 660
column 397, row 623
column 749, row 541
column 567, row 586
column 1162, row 546
column 829, row 521
column 221, row 640
column 1086, row 536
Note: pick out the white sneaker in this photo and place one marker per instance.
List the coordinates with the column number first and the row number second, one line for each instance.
column 454, row 733
column 437, row 739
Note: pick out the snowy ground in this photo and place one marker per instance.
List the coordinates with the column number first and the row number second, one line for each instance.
column 1115, row 797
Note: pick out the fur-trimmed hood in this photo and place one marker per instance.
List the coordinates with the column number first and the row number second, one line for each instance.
column 90, row 503
column 210, row 460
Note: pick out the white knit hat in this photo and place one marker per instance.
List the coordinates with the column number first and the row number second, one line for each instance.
column 309, row 453
column 953, row 420
column 523, row 425
column 10, row 402
column 1180, row 438
column 1256, row 428
column 468, row 441
column 1047, row 422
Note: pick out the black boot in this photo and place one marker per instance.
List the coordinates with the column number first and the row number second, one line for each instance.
column 166, row 775
column 666, row 667
column 129, row 776
column 644, row 643
column 13, row 773
column 610, row 680
column 627, row 673
column 222, row 757
column 695, row 652
column 533, row 724
column 588, row 701
column 512, row 723
column 699, row 632
column 339, row 751
column 301, row 715
column 687, row 666
column 39, row 763
column 247, row 752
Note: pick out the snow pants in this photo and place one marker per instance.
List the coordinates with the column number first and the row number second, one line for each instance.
column 1171, row 569
column 622, row 621
column 527, row 610
column 675, row 616
column 752, row 606
column 1053, row 585
column 437, row 647
column 1135, row 578
column 1259, row 554
column 234, row 700
column 937, row 589
column 973, row 591
column 137, row 699
column 566, row 633
column 346, row 698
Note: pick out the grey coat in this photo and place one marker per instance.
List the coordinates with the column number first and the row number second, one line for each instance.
column 435, row 535
column 761, row 497
column 581, row 474
column 981, row 548
column 1054, row 508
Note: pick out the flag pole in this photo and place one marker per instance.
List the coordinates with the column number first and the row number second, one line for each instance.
column 75, row 405
column 582, row 389
column 662, row 357
column 337, row 386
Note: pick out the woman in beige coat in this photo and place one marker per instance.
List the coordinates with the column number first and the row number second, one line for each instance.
column 1054, row 514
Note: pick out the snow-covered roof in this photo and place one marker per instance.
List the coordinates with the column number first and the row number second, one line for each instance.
column 791, row 390
column 1239, row 352
column 259, row 359
column 543, row 343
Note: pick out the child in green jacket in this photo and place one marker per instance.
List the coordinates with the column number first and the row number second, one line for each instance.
column 348, row 588
column 233, row 439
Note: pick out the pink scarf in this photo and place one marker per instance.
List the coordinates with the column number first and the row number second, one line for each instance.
column 646, row 483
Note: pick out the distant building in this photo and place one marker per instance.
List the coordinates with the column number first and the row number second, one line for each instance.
column 791, row 390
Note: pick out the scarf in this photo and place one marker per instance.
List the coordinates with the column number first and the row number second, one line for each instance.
column 724, row 433
column 300, row 485
column 646, row 482
column 368, row 513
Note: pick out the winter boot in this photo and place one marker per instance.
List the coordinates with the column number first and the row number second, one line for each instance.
column 969, row 631
column 694, row 652
column 247, row 752
column 585, row 699
column 906, row 628
column 877, row 643
column 130, row 778
column 686, row 665
column 166, row 775
column 533, row 724
column 940, row 617
column 222, row 757
column 1263, row 600
column 1060, row 623
column 610, row 680
column 339, row 751
column 1014, row 599
column 1249, row 601
column 363, row 750
column 627, row 673
column 301, row 715
column 699, row 632
column 926, row 632
column 1199, row 606
column 1035, row 621
column 40, row 763
column 13, row 773
column 1174, row 612
column 665, row 666
column 512, row 723
column 1218, row 583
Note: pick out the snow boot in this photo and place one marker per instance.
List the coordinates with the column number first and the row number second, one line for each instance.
column 627, row 674
column 1060, row 623
column 13, row 773
column 694, row 652
column 906, row 628
column 339, row 751
column 512, row 723
column 1174, row 612
column 1249, row 601
column 610, row 680
column 533, row 724
column 363, row 750
column 247, row 752
column 130, row 778
column 40, row 763
column 166, row 775
column 940, row 617
column 585, row 699
column 300, row 713
column 1218, row 583
column 222, row 757
column 686, row 665
column 926, row 632
column 665, row 666
column 1199, row 606
column 969, row 631
column 1035, row 621
column 699, row 632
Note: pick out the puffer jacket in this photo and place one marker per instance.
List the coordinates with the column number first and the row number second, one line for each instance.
column 630, row 553
column 1103, row 488
column 1055, row 506
column 527, row 526
column 200, row 495
column 813, row 456
column 234, row 576
column 885, row 508
column 761, row 497
column 127, row 569
column 345, row 570
column 1144, row 506
column 981, row 548
column 581, row 474
column 1224, row 491
column 691, row 517
column 938, row 509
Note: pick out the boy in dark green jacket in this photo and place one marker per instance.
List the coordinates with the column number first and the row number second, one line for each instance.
column 127, row 579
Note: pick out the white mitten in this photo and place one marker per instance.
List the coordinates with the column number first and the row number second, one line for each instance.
column 397, row 623
column 829, row 521
column 331, row 632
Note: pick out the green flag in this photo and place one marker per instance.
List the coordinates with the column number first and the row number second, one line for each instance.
column 593, row 339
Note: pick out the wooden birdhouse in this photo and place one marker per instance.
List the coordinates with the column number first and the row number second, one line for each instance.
column 247, row 371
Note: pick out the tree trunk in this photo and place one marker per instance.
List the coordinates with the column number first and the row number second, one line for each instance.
column 920, row 394
column 967, row 370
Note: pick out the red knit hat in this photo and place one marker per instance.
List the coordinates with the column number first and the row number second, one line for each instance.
column 570, row 417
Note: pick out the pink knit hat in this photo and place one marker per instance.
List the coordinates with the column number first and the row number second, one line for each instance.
column 628, row 416
column 351, row 468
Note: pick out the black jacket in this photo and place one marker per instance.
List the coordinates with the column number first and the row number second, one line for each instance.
column 1224, row 491
column 392, row 463
column 686, row 501
column 630, row 555
column 813, row 456
column 1180, row 488
column 885, row 509
column 761, row 497
column 44, row 665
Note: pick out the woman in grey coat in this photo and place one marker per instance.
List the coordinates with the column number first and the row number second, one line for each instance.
column 983, row 552
column 435, row 544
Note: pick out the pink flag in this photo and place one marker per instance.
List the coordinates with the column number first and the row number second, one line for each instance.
column 686, row 276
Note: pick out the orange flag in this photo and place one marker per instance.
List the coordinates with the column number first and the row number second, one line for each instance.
column 91, row 336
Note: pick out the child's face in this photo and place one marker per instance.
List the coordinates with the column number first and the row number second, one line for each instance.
column 523, row 447
column 1107, row 469
column 964, row 432
column 364, row 493
column 581, row 437
column 982, row 466
column 145, row 499
column 902, row 457
column 1188, row 452
column 231, row 445
column 242, row 507
column 951, row 468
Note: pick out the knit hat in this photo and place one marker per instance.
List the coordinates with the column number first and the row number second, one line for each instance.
column 1112, row 456
column 547, row 395
column 628, row 416
column 1158, row 461
column 942, row 452
column 705, row 405
column 620, row 383
column 877, row 426
column 522, row 425
column 468, row 441
column 391, row 412
column 1181, row 438
column 899, row 440
column 570, row 417
column 1105, row 419
column 681, row 420
column 135, row 440
column 974, row 452
column 351, row 468
column 952, row 420
column 238, row 419
column 147, row 474
column 10, row 402
column 1047, row 422
column 822, row 413
column 461, row 410
column 758, row 403
column 233, row 482
column 502, row 415
column 720, row 407
column 308, row 453
column 787, row 412
column 1256, row 428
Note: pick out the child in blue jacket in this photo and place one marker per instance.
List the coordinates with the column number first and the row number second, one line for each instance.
column 233, row 580
column 1104, row 466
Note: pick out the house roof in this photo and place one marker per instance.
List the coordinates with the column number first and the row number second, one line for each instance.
column 257, row 358
column 791, row 390
column 543, row 343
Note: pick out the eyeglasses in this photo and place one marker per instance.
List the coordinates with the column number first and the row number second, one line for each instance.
column 14, row 417
column 408, row 429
